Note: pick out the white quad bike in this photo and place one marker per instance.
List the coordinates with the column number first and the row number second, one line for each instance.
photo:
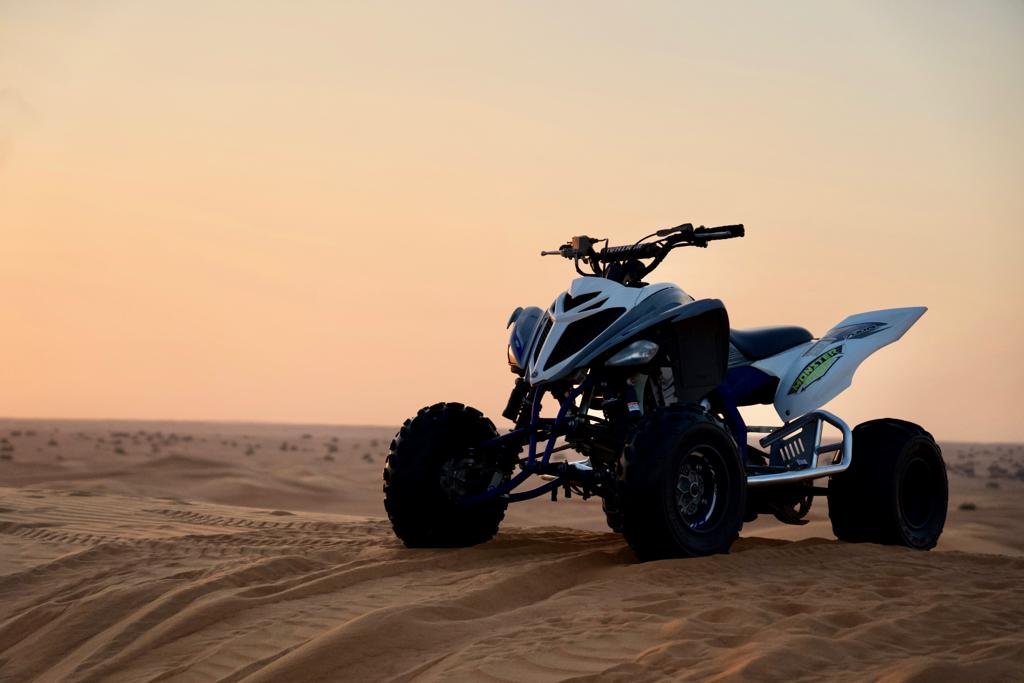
column 647, row 383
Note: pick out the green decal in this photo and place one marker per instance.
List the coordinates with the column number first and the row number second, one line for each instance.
column 816, row 369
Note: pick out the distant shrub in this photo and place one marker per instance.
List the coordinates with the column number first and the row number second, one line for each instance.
column 966, row 470
column 119, row 450
column 968, row 506
column 368, row 457
column 328, row 457
column 307, row 436
column 52, row 442
column 6, row 456
column 250, row 451
column 15, row 432
column 332, row 448
column 998, row 472
column 991, row 484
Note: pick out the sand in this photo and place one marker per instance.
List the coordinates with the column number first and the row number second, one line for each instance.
column 188, row 551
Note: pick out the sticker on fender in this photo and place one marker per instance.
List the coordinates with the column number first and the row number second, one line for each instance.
column 816, row 369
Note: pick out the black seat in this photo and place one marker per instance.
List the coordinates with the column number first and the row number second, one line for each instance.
column 762, row 342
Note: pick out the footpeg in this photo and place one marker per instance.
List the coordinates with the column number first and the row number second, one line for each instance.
column 578, row 465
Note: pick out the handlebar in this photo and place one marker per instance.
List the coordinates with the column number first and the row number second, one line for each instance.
column 624, row 260
column 681, row 236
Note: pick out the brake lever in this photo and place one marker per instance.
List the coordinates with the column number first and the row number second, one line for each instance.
column 665, row 232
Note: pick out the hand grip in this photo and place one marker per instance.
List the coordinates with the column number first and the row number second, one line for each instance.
column 722, row 232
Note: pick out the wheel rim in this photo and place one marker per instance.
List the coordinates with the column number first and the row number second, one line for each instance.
column 917, row 493
column 699, row 488
column 466, row 477
column 453, row 478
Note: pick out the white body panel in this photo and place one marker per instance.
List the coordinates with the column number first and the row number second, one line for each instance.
column 812, row 374
column 609, row 294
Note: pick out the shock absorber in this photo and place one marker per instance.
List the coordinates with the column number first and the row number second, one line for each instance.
column 518, row 401
column 622, row 398
column 632, row 397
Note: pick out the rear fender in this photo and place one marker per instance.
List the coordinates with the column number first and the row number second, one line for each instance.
column 812, row 374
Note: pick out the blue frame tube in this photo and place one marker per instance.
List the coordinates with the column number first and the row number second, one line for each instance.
column 734, row 419
column 530, row 466
column 723, row 396
column 531, row 453
column 569, row 400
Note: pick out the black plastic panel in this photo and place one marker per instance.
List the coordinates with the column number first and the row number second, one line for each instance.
column 580, row 333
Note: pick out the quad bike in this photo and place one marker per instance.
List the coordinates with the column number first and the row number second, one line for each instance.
column 647, row 384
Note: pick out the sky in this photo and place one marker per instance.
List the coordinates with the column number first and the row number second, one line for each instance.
column 325, row 211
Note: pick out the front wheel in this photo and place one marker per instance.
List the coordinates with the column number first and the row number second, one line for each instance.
column 434, row 464
column 683, row 490
column 895, row 491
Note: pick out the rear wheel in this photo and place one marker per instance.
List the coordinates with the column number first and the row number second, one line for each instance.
column 895, row 491
column 432, row 466
column 683, row 487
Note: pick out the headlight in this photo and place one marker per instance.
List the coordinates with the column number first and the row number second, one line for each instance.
column 637, row 353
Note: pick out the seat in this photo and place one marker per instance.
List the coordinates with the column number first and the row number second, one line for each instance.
column 762, row 342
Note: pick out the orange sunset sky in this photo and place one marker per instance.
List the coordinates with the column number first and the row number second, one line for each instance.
column 325, row 211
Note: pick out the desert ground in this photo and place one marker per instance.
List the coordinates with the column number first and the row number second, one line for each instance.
column 144, row 551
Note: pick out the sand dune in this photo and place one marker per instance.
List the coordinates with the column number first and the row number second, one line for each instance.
column 116, row 588
column 115, row 566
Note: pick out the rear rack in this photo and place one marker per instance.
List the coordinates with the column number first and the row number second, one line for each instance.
column 798, row 446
